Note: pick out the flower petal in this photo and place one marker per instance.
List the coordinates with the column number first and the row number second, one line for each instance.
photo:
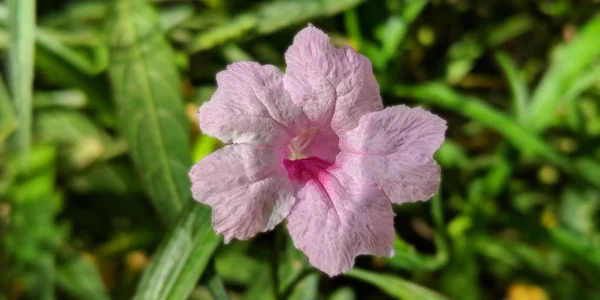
column 249, row 106
column 247, row 189
column 330, row 84
column 394, row 148
column 338, row 218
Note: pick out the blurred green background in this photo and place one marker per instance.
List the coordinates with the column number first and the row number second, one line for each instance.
column 97, row 133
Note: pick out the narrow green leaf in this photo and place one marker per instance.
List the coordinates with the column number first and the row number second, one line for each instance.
column 352, row 25
column 8, row 119
column 396, row 287
column 146, row 87
column 76, row 13
column 476, row 109
column 498, row 176
column 104, row 178
column 52, row 41
column 268, row 18
column 21, row 27
column 514, row 254
column 462, row 55
column 214, row 284
column 216, row 288
column 577, row 245
column 392, row 32
column 64, row 98
column 87, row 65
column 80, row 279
column 407, row 257
column 518, row 86
column 85, row 142
column 588, row 168
column 563, row 71
column 235, row 266
column 344, row 293
column 56, row 71
column 30, row 242
column 173, row 16
column 306, row 289
column 181, row 258
column 583, row 83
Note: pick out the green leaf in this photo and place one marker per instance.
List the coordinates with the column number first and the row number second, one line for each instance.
column 266, row 19
column 48, row 40
column 584, row 82
column 582, row 248
column 85, row 142
column 104, row 178
column 518, row 86
column 58, row 72
column 146, row 87
column 391, row 33
column 74, row 99
column 578, row 210
column 80, row 279
column 175, row 15
column 514, row 254
column 235, row 266
column 215, row 286
column 34, row 203
column 8, row 119
column 574, row 58
column 588, row 168
column 306, row 289
column 395, row 286
column 344, row 293
column 462, row 55
column 181, row 258
column 21, row 27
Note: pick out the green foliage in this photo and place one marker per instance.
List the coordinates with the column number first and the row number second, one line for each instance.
column 146, row 89
column 396, row 287
column 21, row 27
column 569, row 63
column 8, row 119
column 181, row 258
column 98, row 132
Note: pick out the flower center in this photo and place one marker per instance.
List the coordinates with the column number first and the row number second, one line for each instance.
column 310, row 153
column 298, row 145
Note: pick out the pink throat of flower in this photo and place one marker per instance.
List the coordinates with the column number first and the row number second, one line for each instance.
column 305, row 169
column 301, row 164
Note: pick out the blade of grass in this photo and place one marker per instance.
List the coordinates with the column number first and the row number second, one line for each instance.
column 583, row 83
column 214, row 284
column 462, row 55
column 573, row 59
column 181, row 258
column 63, row 74
column 352, row 25
column 79, row 278
column 146, row 86
column 31, row 241
column 408, row 258
column 21, row 28
column 8, row 119
column 47, row 39
column 395, row 29
column 266, row 19
column 395, row 286
column 517, row 84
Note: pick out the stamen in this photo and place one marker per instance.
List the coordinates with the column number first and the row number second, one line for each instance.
column 301, row 142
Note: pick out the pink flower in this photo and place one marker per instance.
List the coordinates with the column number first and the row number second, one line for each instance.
column 314, row 146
